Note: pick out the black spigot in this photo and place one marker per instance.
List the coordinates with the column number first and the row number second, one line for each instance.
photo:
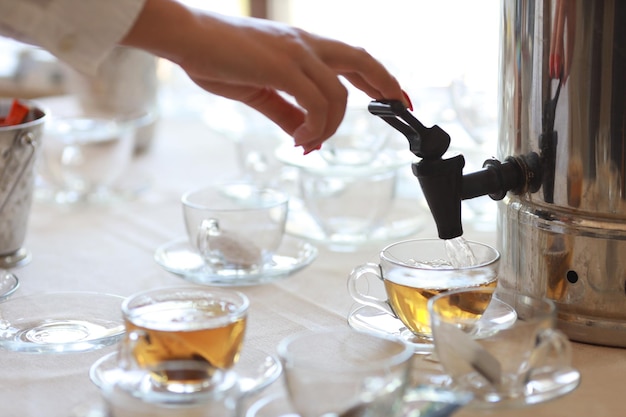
column 441, row 176
column 424, row 142
column 441, row 181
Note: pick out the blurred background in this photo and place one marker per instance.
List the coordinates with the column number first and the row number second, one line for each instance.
column 448, row 44
column 445, row 54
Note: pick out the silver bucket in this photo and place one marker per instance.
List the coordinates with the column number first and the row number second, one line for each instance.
column 19, row 146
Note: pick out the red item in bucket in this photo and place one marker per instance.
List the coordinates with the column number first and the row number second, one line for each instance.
column 16, row 115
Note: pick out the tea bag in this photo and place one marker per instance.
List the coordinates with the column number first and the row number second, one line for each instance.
column 234, row 248
column 473, row 354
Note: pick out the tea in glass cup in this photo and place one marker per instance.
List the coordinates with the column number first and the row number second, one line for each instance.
column 235, row 227
column 521, row 362
column 184, row 325
column 413, row 271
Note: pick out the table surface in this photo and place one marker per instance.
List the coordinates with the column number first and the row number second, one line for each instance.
column 110, row 248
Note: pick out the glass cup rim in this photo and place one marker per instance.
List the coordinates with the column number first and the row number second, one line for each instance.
column 550, row 309
column 241, row 309
column 278, row 197
column 384, row 255
column 396, row 359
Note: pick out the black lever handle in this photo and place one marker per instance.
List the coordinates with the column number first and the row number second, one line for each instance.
column 425, row 142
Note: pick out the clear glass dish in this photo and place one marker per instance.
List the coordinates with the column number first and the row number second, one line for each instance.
column 60, row 322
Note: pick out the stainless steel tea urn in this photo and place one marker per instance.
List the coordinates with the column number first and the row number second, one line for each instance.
column 560, row 172
column 563, row 96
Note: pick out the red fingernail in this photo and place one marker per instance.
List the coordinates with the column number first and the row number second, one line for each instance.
column 308, row 151
column 556, row 65
column 408, row 100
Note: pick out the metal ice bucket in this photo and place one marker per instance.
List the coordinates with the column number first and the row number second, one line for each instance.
column 567, row 241
column 19, row 145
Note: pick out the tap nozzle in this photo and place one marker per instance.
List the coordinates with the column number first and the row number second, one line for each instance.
column 441, row 181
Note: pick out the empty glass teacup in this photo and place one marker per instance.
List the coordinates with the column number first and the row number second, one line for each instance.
column 348, row 204
column 84, row 155
column 235, row 227
column 342, row 372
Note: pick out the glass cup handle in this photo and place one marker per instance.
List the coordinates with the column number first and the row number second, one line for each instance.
column 207, row 229
column 126, row 358
column 363, row 271
column 552, row 349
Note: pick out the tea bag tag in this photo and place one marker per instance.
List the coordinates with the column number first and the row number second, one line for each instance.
column 473, row 353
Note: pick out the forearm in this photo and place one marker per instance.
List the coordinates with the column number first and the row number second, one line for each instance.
column 256, row 61
column 164, row 28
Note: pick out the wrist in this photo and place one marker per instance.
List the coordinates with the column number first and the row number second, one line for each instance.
column 161, row 28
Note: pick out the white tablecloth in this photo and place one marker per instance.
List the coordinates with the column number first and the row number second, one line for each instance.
column 110, row 249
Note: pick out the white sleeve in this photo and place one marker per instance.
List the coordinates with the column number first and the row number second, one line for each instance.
column 79, row 32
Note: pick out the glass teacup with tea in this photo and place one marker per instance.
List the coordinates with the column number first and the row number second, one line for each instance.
column 413, row 271
column 201, row 327
column 524, row 361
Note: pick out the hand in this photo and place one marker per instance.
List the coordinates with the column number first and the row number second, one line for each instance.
column 263, row 64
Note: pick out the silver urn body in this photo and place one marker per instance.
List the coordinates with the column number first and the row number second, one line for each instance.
column 568, row 240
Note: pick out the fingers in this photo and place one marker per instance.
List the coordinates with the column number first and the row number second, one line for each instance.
column 280, row 59
column 265, row 100
column 556, row 46
column 571, row 35
column 321, row 97
column 287, row 115
column 276, row 108
column 292, row 118
column 362, row 70
column 312, row 78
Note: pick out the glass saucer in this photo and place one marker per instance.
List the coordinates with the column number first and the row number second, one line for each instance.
column 396, row 225
column 178, row 257
column 420, row 401
column 60, row 322
column 8, row 285
column 255, row 370
column 275, row 405
column 366, row 318
column 370, row 319
column 542, row 386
